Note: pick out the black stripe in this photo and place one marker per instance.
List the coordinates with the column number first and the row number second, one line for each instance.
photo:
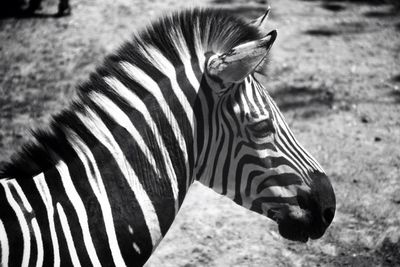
column 191, row 95
column 231, row 137
column 124, row 205
column 199, row 130
column 184, row 82
column 283, row 179
column 239, row 101
column 175, row 106
column 256, row 101
column 80, row 180
column 291, row 146
column 52, row 179
column 59, row 195
column 216, row 159
column 299, row 154
column 267, row 162
column 13, row 230
column 250, row 179
column 253, row 112
column 218, row 110
column 232, row 114
column 40, row 211
column 257, row 203
column 137, row 119
column 289, row 156
column 253, row 145
column 157, row 188
column 28, row 216
column 209, row 127
column 196, row 67
column 158, row 77
column 286, row 150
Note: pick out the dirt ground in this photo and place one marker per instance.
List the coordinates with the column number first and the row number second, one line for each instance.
column 334, row 72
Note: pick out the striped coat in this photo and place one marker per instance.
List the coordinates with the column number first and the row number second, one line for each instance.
column 177, row 103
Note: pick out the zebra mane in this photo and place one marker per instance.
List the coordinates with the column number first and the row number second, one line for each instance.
column 199, row 30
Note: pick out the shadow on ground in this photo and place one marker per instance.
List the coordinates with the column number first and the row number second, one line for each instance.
column 18, row 9
column 364, row 2
column 247, row 9
column 307, row 101
column 342, row 28
column 387, row 10
column 395, row 93
column 9, row 8
column 334, row 7
column 386, row 255
column 340, row 5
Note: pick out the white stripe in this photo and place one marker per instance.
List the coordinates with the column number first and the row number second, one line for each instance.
column 184, row 55
column 289, row 155
column 21, row 194
column 190, row 75
column 39, row 242
column 250, row 95
column 281, row 139
column 102, row 133
column 165, row 66
column 96, row 183
column 294, row 141
column 168, row 69
column 44, row 192
column 5, row 249
column 261, row 105
column 77, row 203
column 286, row 148
column 245, row 106
column 68, row 236
column 280, row 191
column 291, row 144
column 152, row 87
column 199, row 46
column 34, row 224
column 21, row 220
column 272, row 191
column 122, row 119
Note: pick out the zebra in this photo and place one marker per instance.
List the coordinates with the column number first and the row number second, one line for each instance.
column 178, row 103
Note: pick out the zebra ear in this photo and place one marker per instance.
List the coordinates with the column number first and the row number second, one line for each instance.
column 240, row 61
column 260, row 21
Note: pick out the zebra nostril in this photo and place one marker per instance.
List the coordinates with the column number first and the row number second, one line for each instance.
column 328, row 215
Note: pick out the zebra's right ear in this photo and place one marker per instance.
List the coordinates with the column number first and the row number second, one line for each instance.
column 236, row 64
column 260, row 21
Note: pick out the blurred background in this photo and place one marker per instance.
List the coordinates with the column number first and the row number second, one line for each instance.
column 334, row 72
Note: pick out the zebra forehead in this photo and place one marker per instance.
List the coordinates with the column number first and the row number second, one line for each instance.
column 251, row 100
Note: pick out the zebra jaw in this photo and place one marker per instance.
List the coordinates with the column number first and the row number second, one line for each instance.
column 240, row 61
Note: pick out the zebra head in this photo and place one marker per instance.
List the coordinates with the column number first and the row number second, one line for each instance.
column 249, row 153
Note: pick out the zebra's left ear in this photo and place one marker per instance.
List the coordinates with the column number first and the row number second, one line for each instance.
column 240, row 61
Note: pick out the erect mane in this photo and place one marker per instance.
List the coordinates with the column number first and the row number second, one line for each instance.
column 198, row 30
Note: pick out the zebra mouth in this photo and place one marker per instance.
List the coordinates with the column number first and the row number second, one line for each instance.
column 293, row 222
column 292, row 231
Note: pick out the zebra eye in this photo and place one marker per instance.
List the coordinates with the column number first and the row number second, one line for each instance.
column 262, row 129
